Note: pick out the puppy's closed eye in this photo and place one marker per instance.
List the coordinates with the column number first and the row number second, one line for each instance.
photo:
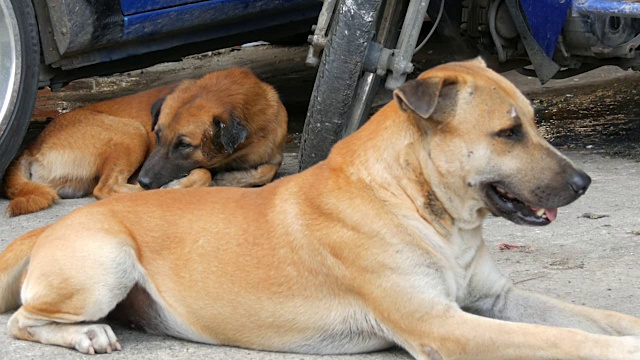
column 183, row 145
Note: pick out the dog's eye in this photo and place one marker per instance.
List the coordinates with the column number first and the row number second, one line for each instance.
column 510, row 133
column 184, row 146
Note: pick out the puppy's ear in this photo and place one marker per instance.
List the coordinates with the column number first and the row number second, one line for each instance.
column 232, row 134
column 155, row 112
column 421, row 96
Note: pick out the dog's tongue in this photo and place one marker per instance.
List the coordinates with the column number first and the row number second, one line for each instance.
column 551, row 214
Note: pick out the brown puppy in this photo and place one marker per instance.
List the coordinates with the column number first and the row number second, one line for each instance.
column 228, row 122
column 380, row 244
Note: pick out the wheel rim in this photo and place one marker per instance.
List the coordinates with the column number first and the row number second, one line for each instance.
column 10, row 63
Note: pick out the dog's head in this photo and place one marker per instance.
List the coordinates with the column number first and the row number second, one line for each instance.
column 199, row 125
column 482, row 148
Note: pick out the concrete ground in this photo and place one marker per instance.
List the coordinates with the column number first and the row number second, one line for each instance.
column 589, row 255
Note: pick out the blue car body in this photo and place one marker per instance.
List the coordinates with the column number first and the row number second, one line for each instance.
column 96, row 37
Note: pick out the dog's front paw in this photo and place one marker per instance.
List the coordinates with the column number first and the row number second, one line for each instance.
column 175, row 184
column 96, row 339
column 172, row 185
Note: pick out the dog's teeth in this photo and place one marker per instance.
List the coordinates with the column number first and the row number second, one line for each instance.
column 504, row 193
column 540, row 212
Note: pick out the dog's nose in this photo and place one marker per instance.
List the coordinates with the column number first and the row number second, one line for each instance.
column 144, row 182
column 579, row 182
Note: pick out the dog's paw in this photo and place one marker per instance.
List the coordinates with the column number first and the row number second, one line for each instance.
column 175, row 184
column 96, row 339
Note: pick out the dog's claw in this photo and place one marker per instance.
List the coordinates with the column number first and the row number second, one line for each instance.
column 96, row 339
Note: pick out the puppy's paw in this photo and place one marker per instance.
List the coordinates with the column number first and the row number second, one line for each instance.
column 96, row 339
column 175, row 184
column 196, row 178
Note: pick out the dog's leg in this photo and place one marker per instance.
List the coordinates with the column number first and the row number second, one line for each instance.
column 113, row 184
column 246, row 178
column 450, row 334
column 514, row 304
column 118, row 167
column 433, row 327
column 419, row 303
column 497, row 298
column 65, row 290
column 196, row 178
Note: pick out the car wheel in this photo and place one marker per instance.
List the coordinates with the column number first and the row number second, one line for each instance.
column 19, row 69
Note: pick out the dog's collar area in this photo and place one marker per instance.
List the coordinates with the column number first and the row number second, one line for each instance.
column 506, row 205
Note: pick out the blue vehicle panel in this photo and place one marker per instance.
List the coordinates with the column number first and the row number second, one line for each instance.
column 212, row 32
column 608, row 7
column 210, row 13
column 130, row 7
column 546, row 18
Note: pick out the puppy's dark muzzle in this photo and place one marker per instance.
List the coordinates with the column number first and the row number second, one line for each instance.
column 153, row 174
column 161, row 168
column 144, row 182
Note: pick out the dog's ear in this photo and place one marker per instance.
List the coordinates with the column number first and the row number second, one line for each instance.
column 419, row 96
column 155, row 112
column 422, row 96
column 232, row 134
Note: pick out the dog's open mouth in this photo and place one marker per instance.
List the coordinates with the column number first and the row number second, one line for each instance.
column 504, row 204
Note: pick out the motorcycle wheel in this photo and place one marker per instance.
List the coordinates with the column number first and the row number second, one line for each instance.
column 340, row 70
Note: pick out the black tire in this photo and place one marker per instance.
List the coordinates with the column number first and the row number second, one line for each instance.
column 17, row 120
column 340, row 68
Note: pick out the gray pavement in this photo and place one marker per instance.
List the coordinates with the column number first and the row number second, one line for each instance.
column 589, row 255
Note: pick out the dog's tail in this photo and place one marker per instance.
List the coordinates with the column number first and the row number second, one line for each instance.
column 14, row 261
column 26, row 196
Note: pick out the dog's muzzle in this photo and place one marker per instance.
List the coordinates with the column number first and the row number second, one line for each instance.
column 507, row 204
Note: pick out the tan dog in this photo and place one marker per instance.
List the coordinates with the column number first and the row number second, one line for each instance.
column 380, row 244
column 228, row 122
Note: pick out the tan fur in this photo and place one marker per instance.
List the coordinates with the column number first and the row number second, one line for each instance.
column 98, row 148
column 94, row 149
column 13, row 268
column 380, row 244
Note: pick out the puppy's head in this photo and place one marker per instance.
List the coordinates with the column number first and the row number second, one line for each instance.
column 197, row 126
column 482, row 151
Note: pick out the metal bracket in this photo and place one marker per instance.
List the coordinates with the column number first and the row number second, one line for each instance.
column 320, row 33
column 378, row 59
column 399, row 61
